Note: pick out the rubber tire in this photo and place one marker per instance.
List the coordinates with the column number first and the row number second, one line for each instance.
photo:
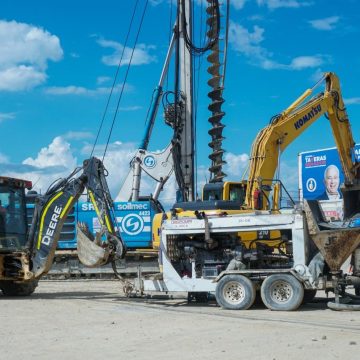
column 244, row 283
column 290, row 304
column 309, row 295
column 357, row 290
column 11, row 288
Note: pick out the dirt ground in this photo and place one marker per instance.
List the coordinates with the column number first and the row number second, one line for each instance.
column 91, row 319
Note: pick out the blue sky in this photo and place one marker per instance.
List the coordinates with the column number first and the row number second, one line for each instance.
column 58, row 60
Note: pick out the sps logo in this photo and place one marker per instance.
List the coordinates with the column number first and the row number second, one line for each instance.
column 132, row 224
column 149, row 161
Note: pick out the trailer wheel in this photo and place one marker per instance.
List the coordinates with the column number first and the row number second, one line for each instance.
column 235, row 292
column 11, row 288
column 282, row 292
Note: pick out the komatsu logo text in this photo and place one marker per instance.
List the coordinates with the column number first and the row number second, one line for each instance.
column 302, row 121
column 52, row 226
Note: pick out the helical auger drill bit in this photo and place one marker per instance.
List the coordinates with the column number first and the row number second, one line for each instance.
column 215, row 82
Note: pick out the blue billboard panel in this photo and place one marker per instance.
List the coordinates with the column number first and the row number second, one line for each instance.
column 134, row 220
column 320, row 178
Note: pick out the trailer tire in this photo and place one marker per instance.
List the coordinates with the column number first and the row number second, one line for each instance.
column 282, row 292
column 235, row 292
column 11, row 288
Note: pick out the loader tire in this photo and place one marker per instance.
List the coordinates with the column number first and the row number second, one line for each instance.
column 282, row 292
column 11, row 288
column 235, row 292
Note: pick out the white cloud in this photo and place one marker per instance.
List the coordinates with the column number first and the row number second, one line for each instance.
column 256, row 17
column 24, row 53
column 82, row 91
column 141, row 54
column 51, row 163
column 326, row 24
column 352, row 101
column 103, row 79
column 57, row 160
column 235, row 165
column 6, row 116
column 70, row 90
column 249, row 44
column 238, row 4
column 303, row 62
column 21, row 78
column 276, row 4
column 58, row 153
column 155, row 2
column 78, row 135
column 130, row 108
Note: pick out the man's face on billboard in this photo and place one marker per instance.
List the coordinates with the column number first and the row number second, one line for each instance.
column 332, row 180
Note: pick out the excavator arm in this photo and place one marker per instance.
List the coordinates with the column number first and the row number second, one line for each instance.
column 52, row 209
column 291, row 123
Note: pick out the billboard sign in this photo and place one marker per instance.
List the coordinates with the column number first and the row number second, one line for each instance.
column 134, row 219
column 320, row 176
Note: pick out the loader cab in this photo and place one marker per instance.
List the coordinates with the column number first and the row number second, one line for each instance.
column 13, row 217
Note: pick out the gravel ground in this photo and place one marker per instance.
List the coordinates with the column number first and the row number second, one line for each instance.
column 91, row 319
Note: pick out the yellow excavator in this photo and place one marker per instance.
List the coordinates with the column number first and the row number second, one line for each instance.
column 287, row 126
column 272, row 140
column 261, row 191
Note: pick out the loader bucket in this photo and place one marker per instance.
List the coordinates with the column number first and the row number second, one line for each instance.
column 335, row 243
column 90, row 254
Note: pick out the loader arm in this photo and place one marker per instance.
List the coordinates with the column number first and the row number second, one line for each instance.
column 284, row 128
column 52, row 209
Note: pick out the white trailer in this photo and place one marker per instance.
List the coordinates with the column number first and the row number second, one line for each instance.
column 207, row 255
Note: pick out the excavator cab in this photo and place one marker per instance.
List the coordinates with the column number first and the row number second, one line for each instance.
column 13, row 217
column 228, row 191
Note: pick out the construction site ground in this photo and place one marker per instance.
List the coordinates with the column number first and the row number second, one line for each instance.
column 92, row 319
